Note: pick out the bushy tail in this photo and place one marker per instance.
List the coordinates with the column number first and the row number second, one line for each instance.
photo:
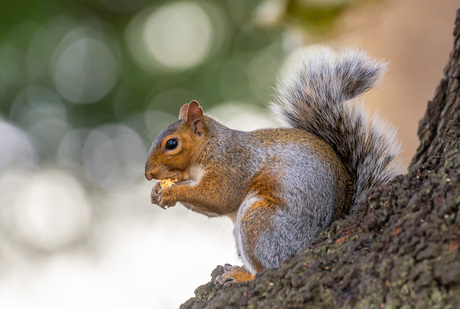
column 313, row 98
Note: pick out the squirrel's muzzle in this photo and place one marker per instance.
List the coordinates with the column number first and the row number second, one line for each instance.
column 149, row 171
column 149, row 175
column 153, row 170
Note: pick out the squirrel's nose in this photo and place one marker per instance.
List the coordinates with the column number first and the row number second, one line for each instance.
column 149, row 175
column 149, row 171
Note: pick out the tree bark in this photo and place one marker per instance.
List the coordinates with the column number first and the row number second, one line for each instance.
column 400, row 249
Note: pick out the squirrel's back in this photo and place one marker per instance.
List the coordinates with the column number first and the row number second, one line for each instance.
column 313, row 98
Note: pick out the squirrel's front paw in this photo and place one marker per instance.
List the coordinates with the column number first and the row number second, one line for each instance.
column 166, row 198
column 162, row 197
column 155, row 194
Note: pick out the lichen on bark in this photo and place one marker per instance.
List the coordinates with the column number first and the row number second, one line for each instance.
column 400, row 249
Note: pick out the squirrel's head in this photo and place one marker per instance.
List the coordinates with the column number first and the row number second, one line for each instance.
column 174, row 150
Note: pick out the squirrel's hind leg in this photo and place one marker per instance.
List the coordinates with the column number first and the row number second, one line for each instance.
column 234, row 274
column 253, row 221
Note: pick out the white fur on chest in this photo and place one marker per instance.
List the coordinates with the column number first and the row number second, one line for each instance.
column 195, row 174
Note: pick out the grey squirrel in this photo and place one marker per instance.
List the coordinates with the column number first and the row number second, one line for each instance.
column 282, row 186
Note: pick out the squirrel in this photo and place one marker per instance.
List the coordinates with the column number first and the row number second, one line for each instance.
column 281, row 186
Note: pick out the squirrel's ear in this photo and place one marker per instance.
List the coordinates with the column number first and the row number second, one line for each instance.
column 183, row 111
column 195, row 117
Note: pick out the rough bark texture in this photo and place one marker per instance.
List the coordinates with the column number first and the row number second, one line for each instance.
column 401, row 249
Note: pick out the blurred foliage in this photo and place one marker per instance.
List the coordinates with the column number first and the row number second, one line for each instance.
column 86, row 85
column 318, row 17
column 67, row 65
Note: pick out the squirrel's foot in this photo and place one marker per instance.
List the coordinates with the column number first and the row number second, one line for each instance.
column 234, row 274
column 166, row 197
column 155, row 194
column 162, row 197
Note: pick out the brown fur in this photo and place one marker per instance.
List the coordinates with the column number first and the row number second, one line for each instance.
column 282, row 187
column 233, row 170
column 258, row 217
column 234, row 274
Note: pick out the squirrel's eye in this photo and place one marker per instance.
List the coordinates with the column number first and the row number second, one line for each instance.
column 171, row 144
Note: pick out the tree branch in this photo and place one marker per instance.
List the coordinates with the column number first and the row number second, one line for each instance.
column 400, row 249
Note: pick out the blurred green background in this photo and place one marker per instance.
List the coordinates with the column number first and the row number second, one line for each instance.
column 85, row 86
column 69, row 67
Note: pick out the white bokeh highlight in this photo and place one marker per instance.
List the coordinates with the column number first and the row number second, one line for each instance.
column 173, row 37
column 51, row 211
column 86, row 71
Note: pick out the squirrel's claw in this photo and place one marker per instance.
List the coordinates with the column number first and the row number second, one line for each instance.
column 166, row 198
column 154, row 194
column 233, row 274
column 157, row 197
column 224, row 279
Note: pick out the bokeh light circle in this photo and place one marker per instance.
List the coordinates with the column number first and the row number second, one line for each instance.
column 113, row 157
column 16, row 147
column 175, row 36
column 52, row 210
column 86, row 71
